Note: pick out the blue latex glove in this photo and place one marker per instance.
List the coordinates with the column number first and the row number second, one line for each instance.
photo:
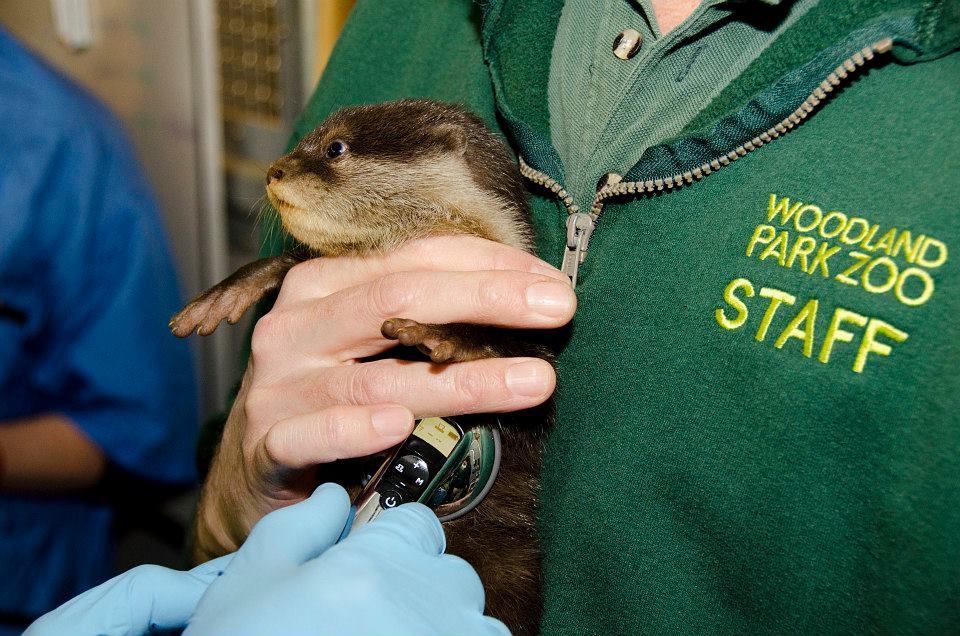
column 389, row 577
column 146, row 599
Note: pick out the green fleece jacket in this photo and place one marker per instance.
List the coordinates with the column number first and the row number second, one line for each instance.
column 759, row 410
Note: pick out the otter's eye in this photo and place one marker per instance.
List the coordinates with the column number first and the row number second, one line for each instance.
column 335, row 149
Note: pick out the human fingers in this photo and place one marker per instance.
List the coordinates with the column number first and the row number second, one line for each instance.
column 411, row 526
column 293, row 535
column 413, row 538
column 326, row 435
column 321, row 277
column 210, row 570
column 494, row 385
column 145, row 599
column 346, row 325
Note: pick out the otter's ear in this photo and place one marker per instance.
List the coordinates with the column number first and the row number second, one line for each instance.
column 453, row 138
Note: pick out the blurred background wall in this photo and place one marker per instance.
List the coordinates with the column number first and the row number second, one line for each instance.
column 208, row 90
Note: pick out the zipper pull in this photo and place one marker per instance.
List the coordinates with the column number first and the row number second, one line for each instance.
column 579, row 228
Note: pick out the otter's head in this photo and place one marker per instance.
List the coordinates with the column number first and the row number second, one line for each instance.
column 370, row 177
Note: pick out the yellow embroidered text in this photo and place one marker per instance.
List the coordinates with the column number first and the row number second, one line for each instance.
column 781, row 316
column 850, row 250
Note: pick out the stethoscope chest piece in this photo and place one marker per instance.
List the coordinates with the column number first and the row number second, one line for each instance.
column 448, row 464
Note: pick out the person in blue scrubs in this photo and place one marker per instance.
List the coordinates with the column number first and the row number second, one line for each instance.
column 91, row 381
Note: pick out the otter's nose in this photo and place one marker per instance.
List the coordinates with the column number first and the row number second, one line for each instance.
column 274, row 174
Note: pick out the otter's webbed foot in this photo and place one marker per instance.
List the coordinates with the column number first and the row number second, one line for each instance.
column 459, row 342
column 229, row 299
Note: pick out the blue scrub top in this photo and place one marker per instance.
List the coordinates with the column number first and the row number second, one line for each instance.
column 88, row 285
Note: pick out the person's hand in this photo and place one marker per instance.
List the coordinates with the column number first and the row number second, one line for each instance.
column 390, row 576
column 306, row 398
column 146, row 599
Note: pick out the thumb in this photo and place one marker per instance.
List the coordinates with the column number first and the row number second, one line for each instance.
column 146, row 598
column 295, row 534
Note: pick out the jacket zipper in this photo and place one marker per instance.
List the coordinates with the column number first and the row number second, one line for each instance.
column 580, row 225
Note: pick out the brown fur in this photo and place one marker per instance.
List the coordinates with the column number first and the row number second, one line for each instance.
column 417, row 168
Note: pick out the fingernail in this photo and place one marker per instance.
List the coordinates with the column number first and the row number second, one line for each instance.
column 527, row 378
column 550, row 298
column 391, row 421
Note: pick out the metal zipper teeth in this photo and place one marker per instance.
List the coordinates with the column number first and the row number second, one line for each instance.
column 827, row 86
column 544, row 180
column 837, row 77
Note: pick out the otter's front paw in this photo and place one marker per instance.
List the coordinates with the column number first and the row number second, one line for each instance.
column 203, row 314
column 442, row 343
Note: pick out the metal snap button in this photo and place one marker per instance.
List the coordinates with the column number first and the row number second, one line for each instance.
column 627, row 44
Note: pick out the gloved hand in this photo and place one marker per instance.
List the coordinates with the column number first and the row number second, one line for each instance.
column 146, row 599
column 389, row 577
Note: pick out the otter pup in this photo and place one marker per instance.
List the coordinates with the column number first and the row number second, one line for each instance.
column 366, row 180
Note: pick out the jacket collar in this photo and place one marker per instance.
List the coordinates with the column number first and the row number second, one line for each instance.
column 518, row 40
